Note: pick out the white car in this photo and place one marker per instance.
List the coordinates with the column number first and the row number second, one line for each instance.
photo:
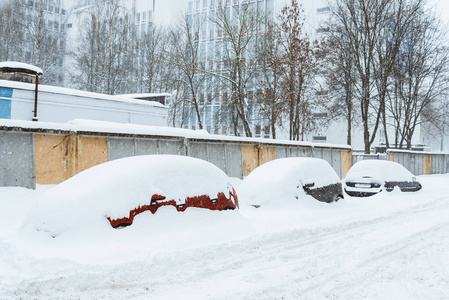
column 289, row 180
column 369, row 177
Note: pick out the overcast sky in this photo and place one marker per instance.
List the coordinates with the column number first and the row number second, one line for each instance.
column 442, row 8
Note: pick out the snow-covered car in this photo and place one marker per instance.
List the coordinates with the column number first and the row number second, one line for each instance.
column 369, row 177
column 289, row 179
column 116, row 191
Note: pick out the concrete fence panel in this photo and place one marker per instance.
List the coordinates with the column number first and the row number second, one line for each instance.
column 197, row 150
column 17, row 167
column 120, row 148
column 421, row 163
column 175, row 147
column 216, row 154
column 145, row 146
column 234, row 160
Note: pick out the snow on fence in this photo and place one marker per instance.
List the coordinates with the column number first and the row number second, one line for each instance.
column 49, row 153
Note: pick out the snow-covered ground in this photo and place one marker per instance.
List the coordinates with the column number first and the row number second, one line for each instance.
column 389, row 246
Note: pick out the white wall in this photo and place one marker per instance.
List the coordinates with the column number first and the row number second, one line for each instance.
column 61, row 105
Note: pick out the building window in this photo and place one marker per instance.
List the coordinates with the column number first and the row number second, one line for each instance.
column 319, row 139
column 257, row 131
column 267, row 132
column 190, row 7
column 323, row 10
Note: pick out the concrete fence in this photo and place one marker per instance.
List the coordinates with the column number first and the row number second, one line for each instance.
column 30, row 154
column 421, row 163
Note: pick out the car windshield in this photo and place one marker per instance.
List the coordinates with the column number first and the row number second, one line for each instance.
column 379, row 170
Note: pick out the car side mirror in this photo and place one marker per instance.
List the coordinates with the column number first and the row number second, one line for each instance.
column 308, row 183
column 413, row 179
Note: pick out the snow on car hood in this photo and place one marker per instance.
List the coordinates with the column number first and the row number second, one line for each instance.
column 379, row 170
column 114, row 188
column 279, row 179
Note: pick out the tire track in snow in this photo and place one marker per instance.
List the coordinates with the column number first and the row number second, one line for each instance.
column 295, row 263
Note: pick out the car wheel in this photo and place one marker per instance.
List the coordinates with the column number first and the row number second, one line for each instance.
column 337, row 198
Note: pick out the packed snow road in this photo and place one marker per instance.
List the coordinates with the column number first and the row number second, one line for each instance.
column 391, row 246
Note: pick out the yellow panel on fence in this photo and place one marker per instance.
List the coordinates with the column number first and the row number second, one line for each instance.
column 346, row 162
column 391, row 156
column 250, row 156
column 91, row 151
column 55, row 159
column 266, row 154
column 427, row 164
column 59, row 157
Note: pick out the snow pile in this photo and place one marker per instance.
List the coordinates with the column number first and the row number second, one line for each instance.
column 113, row 189
column 280, row 181
column 78, row 125
column 380, row 170
column 388, row 246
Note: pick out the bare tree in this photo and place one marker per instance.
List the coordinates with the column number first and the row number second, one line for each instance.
column 105, row 55
column 154, row 73
column 394, row 37
column 420, row 82
column 184, row 55
column 11, row 37
column 297, row 65
column 373, row 31
column 34, row 32
column 268, row 81
column 340, row 81
column 238, row 27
